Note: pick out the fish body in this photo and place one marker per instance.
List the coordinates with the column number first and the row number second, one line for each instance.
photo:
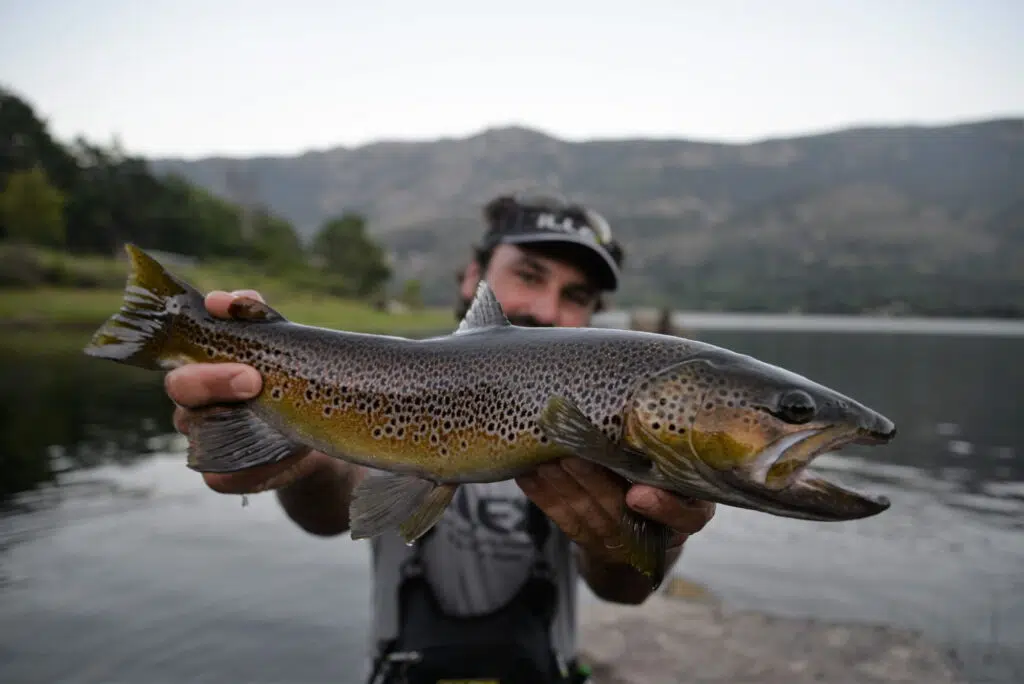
column 492, row 401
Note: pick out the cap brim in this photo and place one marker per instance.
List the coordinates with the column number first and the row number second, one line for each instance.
column 607, row 270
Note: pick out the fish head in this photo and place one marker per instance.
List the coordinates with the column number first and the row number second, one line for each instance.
column 728, row 422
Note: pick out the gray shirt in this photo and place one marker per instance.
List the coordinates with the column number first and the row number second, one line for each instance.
column 477, row 558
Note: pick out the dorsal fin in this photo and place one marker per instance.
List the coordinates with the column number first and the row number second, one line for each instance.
column 249, row 309
column 484, row 312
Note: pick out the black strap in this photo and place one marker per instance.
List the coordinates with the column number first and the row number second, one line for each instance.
column 540, row 587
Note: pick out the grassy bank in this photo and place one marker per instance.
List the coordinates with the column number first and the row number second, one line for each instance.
column 73, row 307
column 66, row 291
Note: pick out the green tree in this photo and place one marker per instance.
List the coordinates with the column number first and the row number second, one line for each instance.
column 348, row 253
column 111, row 197
column 218, row 224
column 275, row 243
column 412, row 294
column 25, row 142
column 31, row 209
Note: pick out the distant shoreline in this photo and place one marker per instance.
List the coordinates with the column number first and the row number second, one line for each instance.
column 821, row 323
column 683, row 322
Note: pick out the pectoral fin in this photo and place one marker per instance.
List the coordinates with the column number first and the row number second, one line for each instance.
column 646, row 541
column 386, row 500
column 226, row 439
column 566, row 426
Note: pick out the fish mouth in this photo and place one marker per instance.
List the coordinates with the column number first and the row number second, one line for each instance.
column 783, row 484
column 785, row 462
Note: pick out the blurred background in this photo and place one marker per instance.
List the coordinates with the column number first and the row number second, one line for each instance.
column 837, row 188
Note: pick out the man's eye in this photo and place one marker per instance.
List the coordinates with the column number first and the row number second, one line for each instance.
column 528, row 277
column 581, row 299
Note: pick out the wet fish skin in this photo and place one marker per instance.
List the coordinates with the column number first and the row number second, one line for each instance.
column 492, row 401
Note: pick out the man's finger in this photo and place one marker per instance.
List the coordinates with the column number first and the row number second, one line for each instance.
column 201, row 384
column 552, row 504
column 600, row 494
column 180, row 420
column 688, row 517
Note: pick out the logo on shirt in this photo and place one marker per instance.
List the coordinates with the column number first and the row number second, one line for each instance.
column 500, row 515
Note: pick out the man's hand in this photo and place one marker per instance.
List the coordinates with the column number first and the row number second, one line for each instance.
column 586, row 500
column 197, row 385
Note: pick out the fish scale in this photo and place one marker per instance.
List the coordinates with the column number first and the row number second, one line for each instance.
column 492, row 401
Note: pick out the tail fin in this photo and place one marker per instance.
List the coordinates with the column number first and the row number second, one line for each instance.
column 138, row 334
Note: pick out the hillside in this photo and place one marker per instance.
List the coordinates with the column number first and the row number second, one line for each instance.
column 921, row 219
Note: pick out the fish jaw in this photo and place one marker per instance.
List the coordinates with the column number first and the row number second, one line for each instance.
column 812, row 497
column 764, row 470
column 794, row 491
column 743, row 432
column 793, row 453
column 808, row 496
column 775, row 480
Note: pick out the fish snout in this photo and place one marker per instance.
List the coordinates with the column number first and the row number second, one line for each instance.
column 880, row 430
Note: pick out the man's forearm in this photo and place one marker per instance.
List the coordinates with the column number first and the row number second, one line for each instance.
column 319, row 502
column 620, row 582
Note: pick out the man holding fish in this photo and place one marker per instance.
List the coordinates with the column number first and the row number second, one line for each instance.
column 490, row 591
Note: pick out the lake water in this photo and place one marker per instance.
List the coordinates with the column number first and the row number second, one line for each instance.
column 124, row 568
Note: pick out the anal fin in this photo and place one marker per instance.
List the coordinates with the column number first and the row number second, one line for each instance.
column 226, row 439
column 646, row 545
column 383, row 501
column 566, row 425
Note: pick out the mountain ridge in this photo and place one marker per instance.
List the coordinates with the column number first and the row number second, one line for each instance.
column 908, row 200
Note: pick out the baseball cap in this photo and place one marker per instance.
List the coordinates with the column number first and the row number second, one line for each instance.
column 522, row 220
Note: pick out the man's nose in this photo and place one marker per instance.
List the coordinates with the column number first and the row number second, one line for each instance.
column 545, row 309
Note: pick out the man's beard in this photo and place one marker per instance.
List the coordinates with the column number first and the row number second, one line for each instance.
column 524, row 320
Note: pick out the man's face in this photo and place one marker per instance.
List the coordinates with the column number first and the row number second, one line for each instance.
column 534, row 289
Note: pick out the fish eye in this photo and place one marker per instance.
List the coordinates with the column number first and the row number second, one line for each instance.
column 796, row 406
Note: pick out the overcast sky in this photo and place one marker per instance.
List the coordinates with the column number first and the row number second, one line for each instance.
column 190, row 78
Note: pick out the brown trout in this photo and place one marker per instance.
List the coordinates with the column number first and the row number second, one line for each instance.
column 493, row 400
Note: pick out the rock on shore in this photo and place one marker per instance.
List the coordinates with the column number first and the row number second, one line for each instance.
column 684, row 635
